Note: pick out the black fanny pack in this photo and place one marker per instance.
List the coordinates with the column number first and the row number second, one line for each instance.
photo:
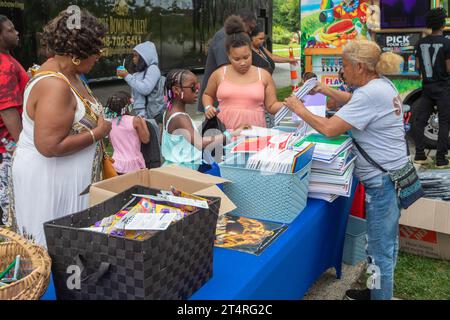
column 406, row 181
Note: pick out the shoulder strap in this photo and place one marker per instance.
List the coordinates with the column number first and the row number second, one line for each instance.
column 173, row 116
column 259, row 73
column 61, row 76
column 367, row 157
column 224, row 72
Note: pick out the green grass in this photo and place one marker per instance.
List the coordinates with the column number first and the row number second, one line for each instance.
column 283, row 93
column 285, row 54
column 421, row 278
column 277, row 46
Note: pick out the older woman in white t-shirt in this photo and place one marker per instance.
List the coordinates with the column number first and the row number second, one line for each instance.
column 374, row 116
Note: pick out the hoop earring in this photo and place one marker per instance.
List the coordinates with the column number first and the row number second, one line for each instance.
column 76, row 61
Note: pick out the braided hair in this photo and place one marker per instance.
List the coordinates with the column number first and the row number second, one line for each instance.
column 174, row 78
column 118, row 105
column 436, row 18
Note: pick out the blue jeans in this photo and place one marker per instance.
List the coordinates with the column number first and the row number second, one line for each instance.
column 383, row 214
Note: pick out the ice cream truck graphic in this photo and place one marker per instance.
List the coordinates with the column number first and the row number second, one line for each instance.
column 396, row 25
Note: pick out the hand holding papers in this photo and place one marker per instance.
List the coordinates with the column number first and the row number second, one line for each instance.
column 300, row 94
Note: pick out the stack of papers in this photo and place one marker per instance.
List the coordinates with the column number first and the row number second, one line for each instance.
column 271, row 150
column 255, row 143
column 260, row 132
column 327, row 149
column 332, row 167
column 281, row 161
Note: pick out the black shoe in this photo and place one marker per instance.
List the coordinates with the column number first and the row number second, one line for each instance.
column 442, row 164
column 357, row 294
column 422, row 160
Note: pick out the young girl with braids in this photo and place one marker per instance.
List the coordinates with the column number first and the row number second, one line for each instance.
column 182, row 144
column 127, row 134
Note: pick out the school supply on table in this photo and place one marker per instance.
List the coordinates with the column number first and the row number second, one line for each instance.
column 332, row 167
column 246, row 235
column 144, row 214
column 327, row 149
column 260, row 132
column 281, row 161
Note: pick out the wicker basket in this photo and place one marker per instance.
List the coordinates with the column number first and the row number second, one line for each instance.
column 33, row 285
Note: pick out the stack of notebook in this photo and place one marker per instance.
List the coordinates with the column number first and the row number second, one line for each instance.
column 281, row 161
column 332, row 167
column 270, row 150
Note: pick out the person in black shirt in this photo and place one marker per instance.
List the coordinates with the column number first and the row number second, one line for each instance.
column 262, row 57
column 433, row 53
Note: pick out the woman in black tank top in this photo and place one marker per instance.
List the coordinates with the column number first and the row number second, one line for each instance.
column 262, row 57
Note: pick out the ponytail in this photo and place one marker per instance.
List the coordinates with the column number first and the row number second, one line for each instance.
column 369, row 53
column 389, row 63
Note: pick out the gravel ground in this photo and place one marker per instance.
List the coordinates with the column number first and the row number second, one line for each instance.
column 327, row 287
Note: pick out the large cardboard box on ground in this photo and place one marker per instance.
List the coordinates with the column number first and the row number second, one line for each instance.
column 425, row 229
column 163, row 178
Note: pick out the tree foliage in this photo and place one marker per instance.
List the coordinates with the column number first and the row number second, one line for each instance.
column 286, row 13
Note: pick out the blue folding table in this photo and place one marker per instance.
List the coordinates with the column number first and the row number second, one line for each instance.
column 312, row 244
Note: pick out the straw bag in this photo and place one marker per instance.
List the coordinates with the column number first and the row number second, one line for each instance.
column 34, row 284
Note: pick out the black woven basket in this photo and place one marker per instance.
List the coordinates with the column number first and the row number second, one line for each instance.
column 171, row 265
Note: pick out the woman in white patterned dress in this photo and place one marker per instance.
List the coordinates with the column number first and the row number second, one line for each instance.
column 59, row 155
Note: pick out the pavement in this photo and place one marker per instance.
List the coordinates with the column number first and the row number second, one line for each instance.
column 327, row 287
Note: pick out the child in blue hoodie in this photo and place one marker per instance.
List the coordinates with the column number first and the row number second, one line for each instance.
column 144, row 81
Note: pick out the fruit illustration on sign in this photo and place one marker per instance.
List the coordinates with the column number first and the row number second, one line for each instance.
column 338, row 33
column 343, row 21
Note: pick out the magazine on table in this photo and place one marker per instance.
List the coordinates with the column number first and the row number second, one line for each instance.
column 246, row 235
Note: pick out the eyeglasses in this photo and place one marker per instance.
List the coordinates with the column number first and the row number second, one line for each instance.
column 194, row 88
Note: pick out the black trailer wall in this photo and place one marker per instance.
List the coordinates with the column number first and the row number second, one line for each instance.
column 180, row 29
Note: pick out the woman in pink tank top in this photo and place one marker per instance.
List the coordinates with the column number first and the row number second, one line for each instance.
column 243, row 91
column 127, row 134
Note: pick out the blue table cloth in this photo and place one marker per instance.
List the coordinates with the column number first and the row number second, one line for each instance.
column 312, row 244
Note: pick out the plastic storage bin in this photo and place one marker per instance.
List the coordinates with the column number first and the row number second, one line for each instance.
column 355, row 241
column 277, row 197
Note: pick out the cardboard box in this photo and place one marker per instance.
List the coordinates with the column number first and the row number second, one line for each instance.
column 163, row 178
column 425, row 229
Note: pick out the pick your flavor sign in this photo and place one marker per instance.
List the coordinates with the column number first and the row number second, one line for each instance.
column 331, row 24
column 403, row 44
